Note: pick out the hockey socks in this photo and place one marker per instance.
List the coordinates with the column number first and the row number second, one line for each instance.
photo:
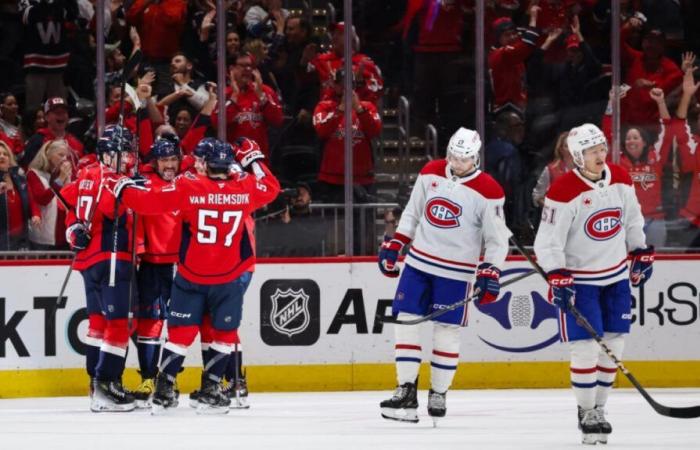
column 148, row 350
column 407, row 350
column 445, row 358
column 172, row 359
column 92, row 355
column 607, row 370
column 110, row 365
column 217, row 360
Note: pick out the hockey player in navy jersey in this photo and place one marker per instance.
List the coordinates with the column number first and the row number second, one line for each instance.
column 590, row 222
column 453, row 207
column 90, row 229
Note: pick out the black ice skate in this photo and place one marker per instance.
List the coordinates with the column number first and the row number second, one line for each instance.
column 437, row 406
column 238, row 393
column 402, row 405
column 589, row 426
column 110, row 396
column 144, row 393
column 605, row 427
column 211, row 399
column 165, row 395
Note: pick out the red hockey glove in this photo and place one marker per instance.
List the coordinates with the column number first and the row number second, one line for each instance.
column 641, row 266
column 561, row 289
column 487, row 283
column 247, row 151
column 389, row 253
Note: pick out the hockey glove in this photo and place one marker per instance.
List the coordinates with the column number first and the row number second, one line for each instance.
column 78, row 236
column 641, row 267
column 389, row 253
column 561, row 288
column 247, row 151
column 487, row 284
column 137, row 182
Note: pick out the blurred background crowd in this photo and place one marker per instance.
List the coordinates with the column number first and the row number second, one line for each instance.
column 548, row 66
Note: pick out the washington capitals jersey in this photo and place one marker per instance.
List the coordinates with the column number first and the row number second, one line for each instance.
column 588, row 227
column 161, row 233
column 215, row 246
column 448, row 217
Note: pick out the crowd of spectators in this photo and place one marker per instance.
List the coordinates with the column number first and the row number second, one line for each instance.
column 548, row 66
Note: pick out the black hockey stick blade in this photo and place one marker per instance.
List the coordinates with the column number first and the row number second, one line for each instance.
column 449, row 308
column 688, row 412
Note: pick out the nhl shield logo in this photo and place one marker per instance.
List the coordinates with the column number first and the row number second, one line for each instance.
column 290, row 311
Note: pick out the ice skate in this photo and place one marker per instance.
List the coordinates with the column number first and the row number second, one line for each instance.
column 605, row 427
column 211, row 399
column 402, row 405
column 144, row 393
column 589, row 426
column 437, row 406
column 238, row 393
column 110, row 396
column 165, row 397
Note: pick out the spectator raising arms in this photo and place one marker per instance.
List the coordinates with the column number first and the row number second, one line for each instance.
column 16, row 205
column 50, row 170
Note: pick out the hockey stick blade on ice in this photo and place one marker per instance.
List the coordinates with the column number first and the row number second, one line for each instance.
column 451, row 307
column 688, row 412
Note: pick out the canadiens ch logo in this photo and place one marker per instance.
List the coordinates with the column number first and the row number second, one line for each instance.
column 603, row 225
column 290, row 311
column 443, row 213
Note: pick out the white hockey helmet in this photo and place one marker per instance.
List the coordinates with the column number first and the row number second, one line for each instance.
column 465, row 143
column 582, row 138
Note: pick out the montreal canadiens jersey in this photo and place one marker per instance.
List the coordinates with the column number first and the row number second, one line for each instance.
column 448, row 217
column 589, row 227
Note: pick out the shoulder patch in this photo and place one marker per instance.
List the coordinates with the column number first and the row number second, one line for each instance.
column 566, row 188
column 486, row 185
column 435, row 167
column 619, row 175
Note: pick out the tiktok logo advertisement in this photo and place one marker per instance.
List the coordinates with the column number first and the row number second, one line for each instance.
column 290, row 312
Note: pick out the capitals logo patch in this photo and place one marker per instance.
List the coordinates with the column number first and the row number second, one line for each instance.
column 604, row 224
column 443, row 213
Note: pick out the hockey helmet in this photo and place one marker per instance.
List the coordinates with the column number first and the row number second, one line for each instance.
column 221, row 156
column 205, row 146
column 582, row 138
column 163, row 148
column 464, row 144
column 115, row 138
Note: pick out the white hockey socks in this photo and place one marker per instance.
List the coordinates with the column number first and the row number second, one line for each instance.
column 607, row 370
column 584, row 372
column 407, row 350
column 443, row 363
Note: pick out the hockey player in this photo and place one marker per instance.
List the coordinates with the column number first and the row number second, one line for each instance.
column 157, row 268
column 215, row 255
column 591, row 219
column 453, row 207
column 90, row 227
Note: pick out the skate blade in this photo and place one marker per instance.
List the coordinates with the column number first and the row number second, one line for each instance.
column 98, row 406
column 159, row 410
column 205, row 409
column 602, row 438
column 400, row 415
column 143, row 404
column 239, row 403
column 436, row 420
column 194, row 403
column 589, row 439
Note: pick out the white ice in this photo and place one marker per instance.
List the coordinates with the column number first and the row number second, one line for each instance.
column 476, row 419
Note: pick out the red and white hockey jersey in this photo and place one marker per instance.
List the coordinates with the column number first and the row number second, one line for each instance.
column 589, row 227
column 447, row 218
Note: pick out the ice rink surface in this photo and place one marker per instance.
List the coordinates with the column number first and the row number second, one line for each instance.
column 476, row 419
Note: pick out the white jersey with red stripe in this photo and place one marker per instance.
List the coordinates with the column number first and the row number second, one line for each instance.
column 448, row 217
column 589, row 227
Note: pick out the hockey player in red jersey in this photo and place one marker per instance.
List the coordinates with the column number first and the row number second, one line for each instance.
column 591, row 222
column 156, row 269
column 90, row 229
column 453, row 207
column 215, row 255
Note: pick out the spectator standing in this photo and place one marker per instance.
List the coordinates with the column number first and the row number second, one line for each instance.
column 561, row 164
column 16, row 206
column 10, row 123
column 46, row 47
column 185, row 89
column 264, row 17
column 50, row 170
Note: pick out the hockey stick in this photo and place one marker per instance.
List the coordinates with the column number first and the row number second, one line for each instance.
column 129, row 67
column 689, row 412
column 451, row 307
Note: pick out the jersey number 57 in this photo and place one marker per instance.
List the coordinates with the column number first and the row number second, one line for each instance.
column 208, row 233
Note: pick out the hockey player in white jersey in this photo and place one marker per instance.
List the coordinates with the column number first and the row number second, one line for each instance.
column 453, row 207
column 590, row 222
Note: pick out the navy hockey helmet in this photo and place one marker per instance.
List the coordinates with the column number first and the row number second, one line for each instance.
column 115, row 138
column 163, row 148
column 221, row 156
column 204, row 147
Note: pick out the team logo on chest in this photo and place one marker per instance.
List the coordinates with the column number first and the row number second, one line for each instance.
column 604, row 224
column 443, row 213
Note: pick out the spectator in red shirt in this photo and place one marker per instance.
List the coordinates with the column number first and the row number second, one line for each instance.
column 50, row 170
column 252, row 105
column 507, row 63
column 56, row 113
column 16, row 206
column 160, row 25
column 329, row 121
column 646, row 69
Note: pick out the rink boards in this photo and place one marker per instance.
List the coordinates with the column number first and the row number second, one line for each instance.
column 311, row 325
